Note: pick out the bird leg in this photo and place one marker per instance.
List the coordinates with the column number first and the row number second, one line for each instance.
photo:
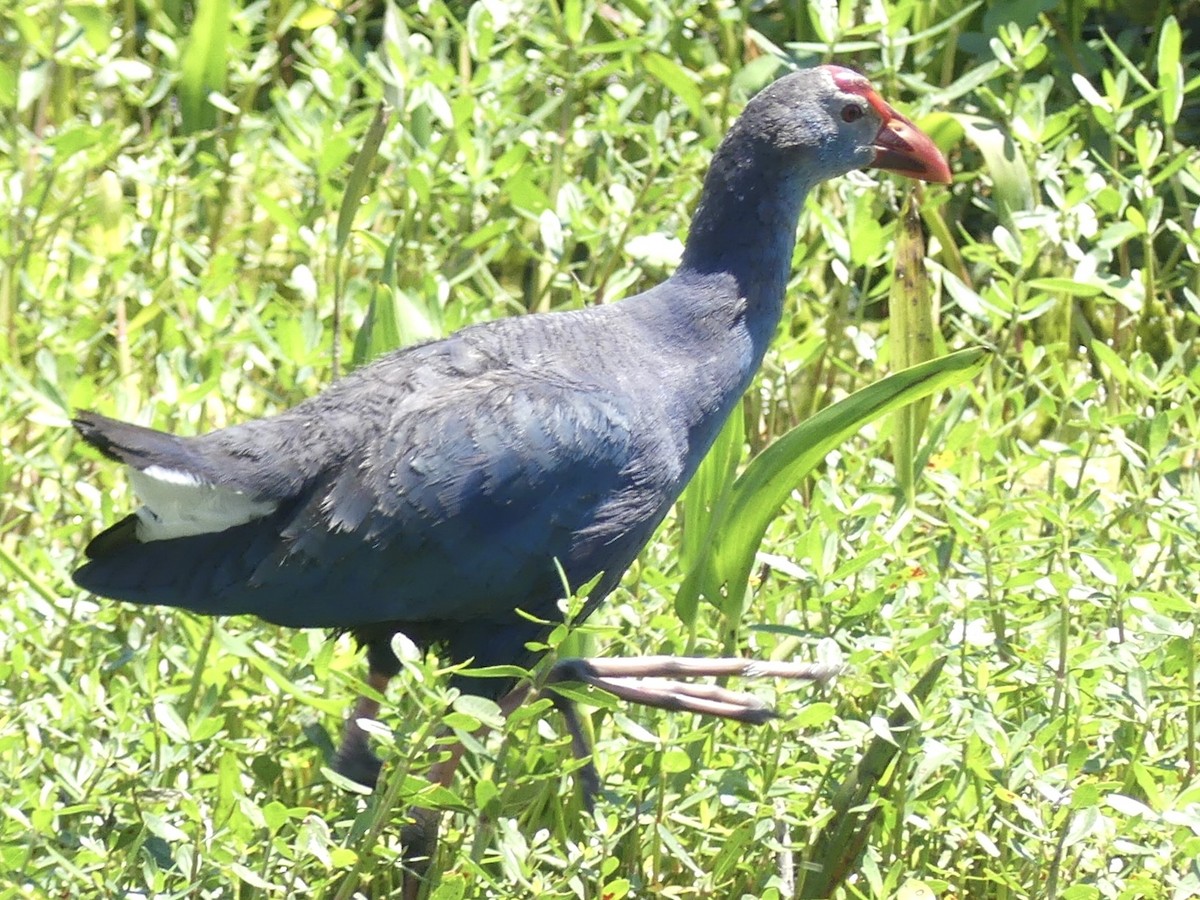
column 419, row 836
column 589, row 778
column 650, row 681
column 647, row 681
column 354, row 759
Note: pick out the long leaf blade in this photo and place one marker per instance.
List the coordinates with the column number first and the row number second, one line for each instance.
column 773, row 474
column 912, row 336
column 204, row 65
column 700, row 506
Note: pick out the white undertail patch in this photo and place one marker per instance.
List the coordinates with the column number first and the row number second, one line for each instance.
column 179, row 504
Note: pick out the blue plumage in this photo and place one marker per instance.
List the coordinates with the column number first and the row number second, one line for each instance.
column 433, row 491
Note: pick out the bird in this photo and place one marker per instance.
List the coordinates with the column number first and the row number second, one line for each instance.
column 447, row 490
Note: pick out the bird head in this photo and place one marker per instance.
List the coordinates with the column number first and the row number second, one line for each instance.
column 834, row 121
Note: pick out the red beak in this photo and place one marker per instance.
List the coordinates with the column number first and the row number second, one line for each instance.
column 903, row 148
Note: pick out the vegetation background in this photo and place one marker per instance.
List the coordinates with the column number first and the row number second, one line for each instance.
column 186, row 241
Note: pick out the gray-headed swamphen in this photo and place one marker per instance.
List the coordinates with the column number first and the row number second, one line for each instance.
column 436, row 491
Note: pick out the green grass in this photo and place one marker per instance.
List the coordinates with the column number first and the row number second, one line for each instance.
column 181, row 245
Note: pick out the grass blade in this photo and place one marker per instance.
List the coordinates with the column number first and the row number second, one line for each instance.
column 356, row 187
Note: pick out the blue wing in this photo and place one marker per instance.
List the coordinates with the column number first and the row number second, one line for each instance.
column 439, row 486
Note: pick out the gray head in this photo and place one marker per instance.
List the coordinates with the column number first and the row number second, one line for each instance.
column 803, row 129
column 829, row 120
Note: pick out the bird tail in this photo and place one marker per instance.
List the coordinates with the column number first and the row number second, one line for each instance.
column 194, row 543
column 132, row 444
column 203, row 573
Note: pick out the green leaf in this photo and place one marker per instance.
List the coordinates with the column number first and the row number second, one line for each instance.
column 757, row 495
column 914, row 889
column 912, row 336
column 675, row 760
column 204, row 65
column 703, row 496
column 573, row 21
column 1111, row 361
column 1170, row 72
column 451, row 887
column 679, row 82
column 356, row 184
column 251, row 878
column 317, row 14
column 813, row 715
column 1089, row 93
column 1130, row 807
column 1068, row 286
column 481, row 708
column 171, row 722
column 1008, row 170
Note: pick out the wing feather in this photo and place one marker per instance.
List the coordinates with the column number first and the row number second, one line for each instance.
column 439, row 485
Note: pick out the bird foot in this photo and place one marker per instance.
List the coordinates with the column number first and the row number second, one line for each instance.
column 654, row 681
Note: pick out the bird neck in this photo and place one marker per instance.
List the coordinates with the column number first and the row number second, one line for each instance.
column 723, row 304
column 744, row 233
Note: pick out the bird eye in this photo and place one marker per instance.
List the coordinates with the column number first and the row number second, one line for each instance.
column 852, row 112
